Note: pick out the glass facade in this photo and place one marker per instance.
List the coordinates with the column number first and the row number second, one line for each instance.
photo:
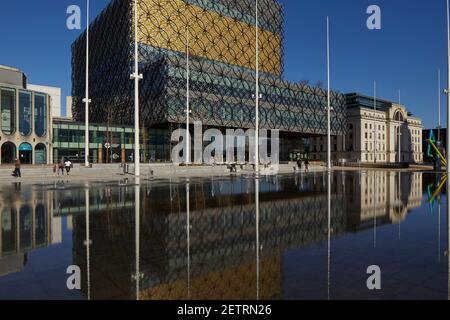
column 113, row 144
column 222, row 75
column 25, row 114
column 40, row 114
column 8, row 110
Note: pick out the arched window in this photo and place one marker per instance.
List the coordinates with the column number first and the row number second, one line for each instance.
column 26, row 227
column 26, row 153
column 25, row 113
column 40, row 114
column 8, row 152
column 40, row 228
column 40, row 154
column 399, row 116
column 8, row 110
column 9, row 230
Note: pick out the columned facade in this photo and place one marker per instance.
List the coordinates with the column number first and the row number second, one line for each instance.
column 25, row 127
column 381, row 133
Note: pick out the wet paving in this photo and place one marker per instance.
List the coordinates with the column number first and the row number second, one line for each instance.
column 308, row 236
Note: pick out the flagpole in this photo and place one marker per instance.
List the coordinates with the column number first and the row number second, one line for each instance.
column 439, row 105
column 448, row 142
column 448, row 97
column 375, row 122
column 86, row 99
column 188, row 140
column 136, row 77
column 257, row 96
column 328, row 99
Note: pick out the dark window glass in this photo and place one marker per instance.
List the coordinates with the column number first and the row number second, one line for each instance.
column 40, row 114
column 8, row 111
column 25, row 113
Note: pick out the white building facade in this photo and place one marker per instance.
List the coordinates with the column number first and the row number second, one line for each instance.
column 377, row 132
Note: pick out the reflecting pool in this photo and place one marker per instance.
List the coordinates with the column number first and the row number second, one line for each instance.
column 308, row 236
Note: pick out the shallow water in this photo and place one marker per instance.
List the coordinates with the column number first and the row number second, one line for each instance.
column 148, row 242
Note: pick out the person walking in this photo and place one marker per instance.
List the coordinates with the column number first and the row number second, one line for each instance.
column 61, row 167
column 68, row 166
column 299, row 164
column 306, row 165
column 17, row 166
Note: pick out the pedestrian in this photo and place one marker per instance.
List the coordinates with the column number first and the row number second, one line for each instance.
column 16, row 172
column 61, row 167
column 307, row 165
column 68, row 166
column 299, row 164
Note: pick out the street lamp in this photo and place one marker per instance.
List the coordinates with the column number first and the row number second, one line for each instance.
column 188, row 111
column 86, row 100
column 136, row 76
column 257, row 96
column 328, row 99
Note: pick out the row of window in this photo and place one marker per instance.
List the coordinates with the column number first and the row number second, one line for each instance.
column 381, row 147
column 8, row 110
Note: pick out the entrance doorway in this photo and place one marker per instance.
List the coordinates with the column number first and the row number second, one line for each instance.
column 8, row 153
column 26, row 153
column 40, row 154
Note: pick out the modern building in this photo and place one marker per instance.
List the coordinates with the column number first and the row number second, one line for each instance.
column 219, row 37
column 384, row 132
column 25, row 127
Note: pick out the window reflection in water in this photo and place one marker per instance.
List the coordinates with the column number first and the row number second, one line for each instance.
column 183, row 241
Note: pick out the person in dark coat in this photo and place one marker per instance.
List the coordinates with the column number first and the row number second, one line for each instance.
column 17, row 166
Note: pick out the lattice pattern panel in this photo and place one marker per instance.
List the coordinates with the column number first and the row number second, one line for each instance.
column 222, row 47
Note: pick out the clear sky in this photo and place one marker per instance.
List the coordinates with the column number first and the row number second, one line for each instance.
column 404, row 55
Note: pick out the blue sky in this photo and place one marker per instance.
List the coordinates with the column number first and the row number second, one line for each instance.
column 404, row 55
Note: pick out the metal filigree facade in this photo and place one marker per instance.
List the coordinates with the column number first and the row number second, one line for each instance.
column 222, row 47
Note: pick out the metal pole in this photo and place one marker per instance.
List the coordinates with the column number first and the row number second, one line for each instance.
column 188, row 234
column 448, row 99
column 88, row 242
column 257, row 237
column 86, row 100
column 188, row 140
column 375, row 122
column 328, row 98
column 257, row 96
column 399, row 143
column 329, row 235
column 448, row 141
column 439, row 105
column 136, row 77
column 137, row 228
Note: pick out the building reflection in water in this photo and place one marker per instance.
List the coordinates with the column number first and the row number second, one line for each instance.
column 27, row 223
column 199, row 239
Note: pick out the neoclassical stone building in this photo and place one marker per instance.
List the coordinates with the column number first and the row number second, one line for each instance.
column 381, row 132
column 25, row 120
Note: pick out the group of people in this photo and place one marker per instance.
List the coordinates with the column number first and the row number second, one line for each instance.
column 63, row 166
column 300, row 163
